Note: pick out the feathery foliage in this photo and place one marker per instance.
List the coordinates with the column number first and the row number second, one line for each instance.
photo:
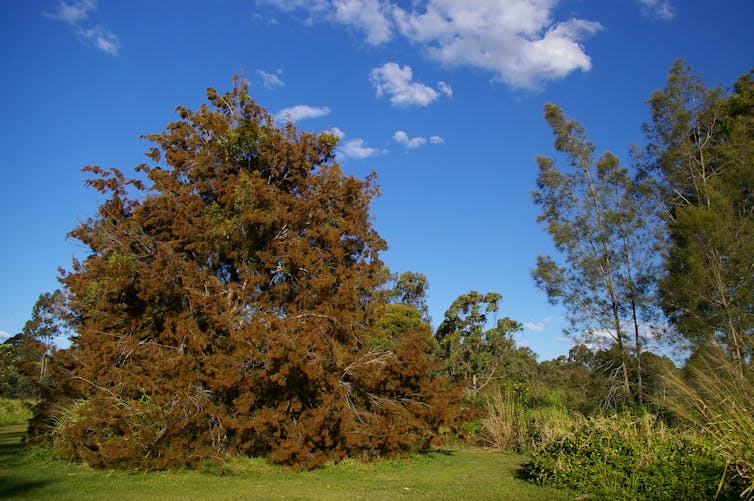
column 228, row 303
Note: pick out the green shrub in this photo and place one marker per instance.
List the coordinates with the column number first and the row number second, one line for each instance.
column 628, row 457
column 546, row 424
column 14, row 411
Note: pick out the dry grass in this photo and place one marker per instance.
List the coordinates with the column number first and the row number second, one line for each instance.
column 718, row 398
column 510, row 425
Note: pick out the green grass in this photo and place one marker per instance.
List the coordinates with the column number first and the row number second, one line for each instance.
column 463, row 473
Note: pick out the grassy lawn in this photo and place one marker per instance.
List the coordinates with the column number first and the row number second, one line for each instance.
column 464, row 473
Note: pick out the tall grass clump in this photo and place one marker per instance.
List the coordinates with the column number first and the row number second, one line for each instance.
column 518, row 421
column 717, row 397
column 503, row 426
column 14, row 411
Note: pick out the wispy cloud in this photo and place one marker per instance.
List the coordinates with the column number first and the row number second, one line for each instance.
column 445, row 89
column 518, row 41
column 101, row 38
column 397, row 82
column 540, row 324
column 401, row 137
column 72, row 13
column 3, row 336
column 657, row 9
column 301, row 112
column 75, row 14
column 534, row 326
column 271, row 80
column 261, row 19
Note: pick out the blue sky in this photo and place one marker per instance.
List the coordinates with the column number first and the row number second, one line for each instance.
column 442, row 98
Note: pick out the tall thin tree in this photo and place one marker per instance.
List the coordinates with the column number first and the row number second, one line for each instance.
column 605, row 237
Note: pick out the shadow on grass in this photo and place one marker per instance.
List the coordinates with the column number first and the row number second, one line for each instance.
column 15, row 488
column 11, row 446
column 12, row 452
column 437, row 452
column 524, row 472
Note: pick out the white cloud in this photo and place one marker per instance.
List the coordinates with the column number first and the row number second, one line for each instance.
column 4, row 336
column 97, row 36
column 518, row 41
column 397, row 81
column 356, row 148
column 370, row 16
column 414, row 142
column 271, row 80
column 74, row 12
column 102, row 39
column 657, row 9
column 301, row 112
column 353, row 148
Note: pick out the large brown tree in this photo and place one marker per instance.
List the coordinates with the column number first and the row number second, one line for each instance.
column 228, row 304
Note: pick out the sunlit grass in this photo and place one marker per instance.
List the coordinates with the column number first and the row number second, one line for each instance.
column 457, row 473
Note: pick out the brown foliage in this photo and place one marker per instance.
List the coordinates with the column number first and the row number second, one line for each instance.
column 227, row 303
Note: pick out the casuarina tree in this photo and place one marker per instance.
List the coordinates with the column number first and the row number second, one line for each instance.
column 228, row 302
column 701, row 155
column 607, row 238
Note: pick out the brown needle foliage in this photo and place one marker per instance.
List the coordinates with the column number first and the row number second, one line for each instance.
column 228, row 304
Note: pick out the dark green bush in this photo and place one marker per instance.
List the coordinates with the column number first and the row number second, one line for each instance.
column 622, row 457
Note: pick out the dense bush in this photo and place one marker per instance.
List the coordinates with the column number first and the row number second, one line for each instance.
column 14, row 411
column 17, row 378
column 628, row 457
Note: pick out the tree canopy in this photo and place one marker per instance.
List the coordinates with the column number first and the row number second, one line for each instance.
column 472, row 351
column 701, row 156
